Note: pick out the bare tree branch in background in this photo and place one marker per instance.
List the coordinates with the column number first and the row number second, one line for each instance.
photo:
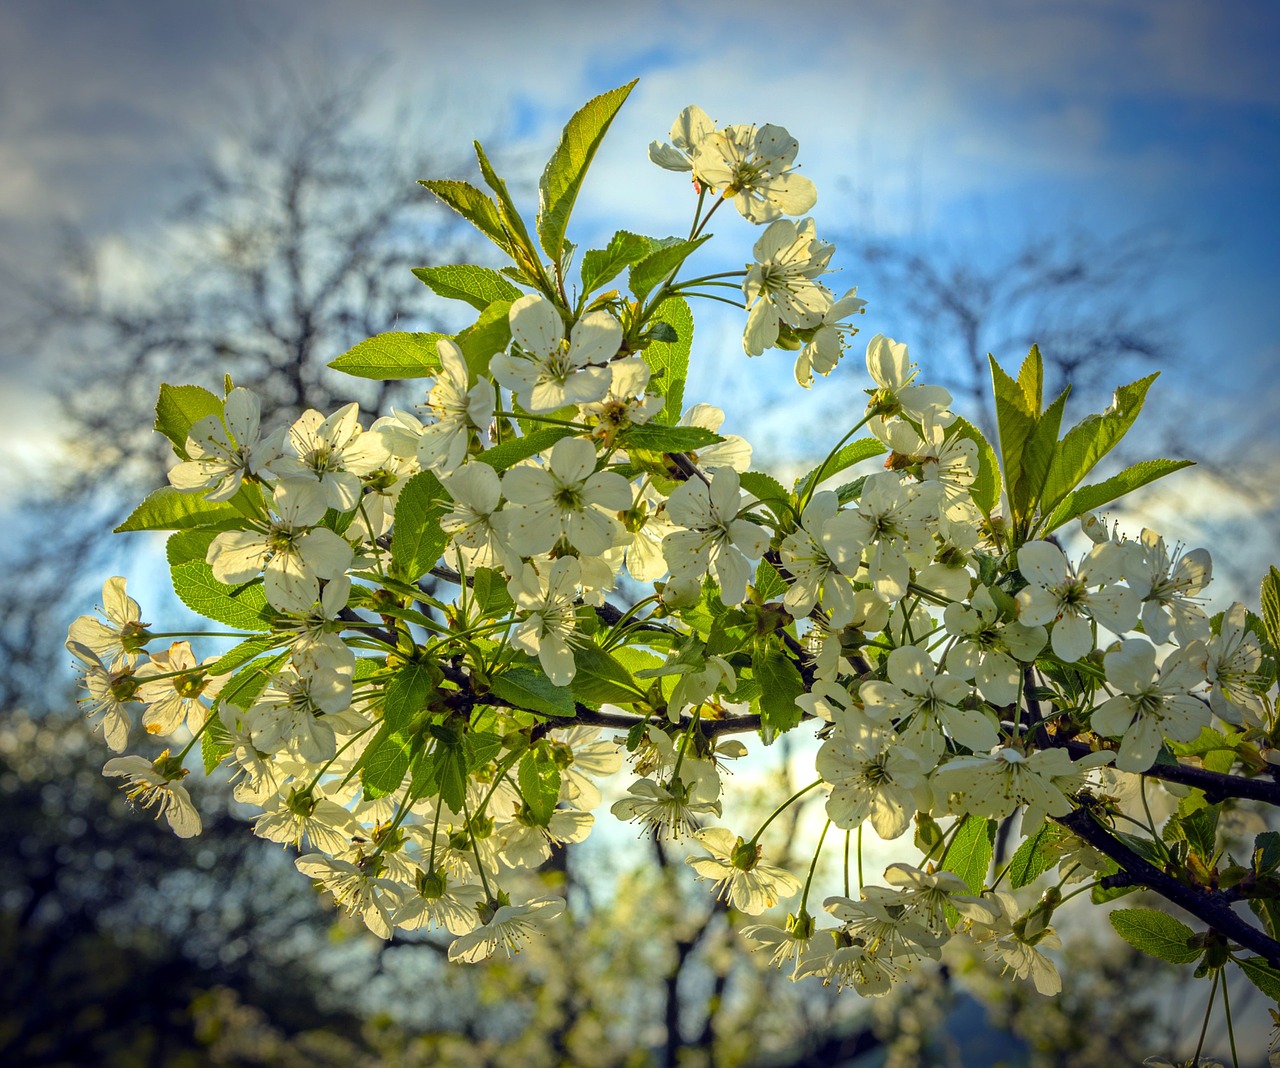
column 294, row 242
column 1085, row 300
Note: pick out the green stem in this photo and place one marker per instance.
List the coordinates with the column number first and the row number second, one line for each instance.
column 755, row 838
column 1231, row 1031
column 1204, row 1027
column 813, row 866
column 818, row 474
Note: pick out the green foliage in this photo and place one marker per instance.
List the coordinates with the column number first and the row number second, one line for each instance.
column 1157, row 934
column 604, row 265
column 512, row 451
column 601, row 679
column 657, row 438
column 478, row 286
column 969, row 854
column 568, row 165
column 1036, row 855
column 848, row 455
column 781, row 683
column 985, row 490
column 539, row 780
column 1088, row 498
column 168, row 509
column 661, row 264
column 1269, row 596
column 669, row 360
column 179, row 407
column 530, row 689
column 472, row 204
column 392, row 355
column 242, row 607
column 417, row 539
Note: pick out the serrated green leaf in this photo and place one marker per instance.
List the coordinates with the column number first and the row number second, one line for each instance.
column 519, row 244
column 1262, row 975
column 657, row 438
column 393, row 355
column 669, row 360
column 1266, row 852
column 1087, row 498
column 1267, row 909
column 601, row 679
column 539, row 780
column 660, row 264
column 604, row 265
column 1031, row 381
column 1015, row 419
column 408, row 694
column 1035, row 856
column 986, row 487
column 489, row 596
column 565, row 171
column 243, row 688
column 178, row 407
column 417, row 539
column 1270, row 598
column 969, row 854
column 384, row 764
column 530, row 689
column 769, row 491
column 1198, row 828
column 781, row 683
column 215, row 744
column 1038, row 456
column 848, row 455
column 487, row 336
column 168, row 509
column 242, row 607
column 511, row 452
column 1090, row 440
column 1156, row 933
column 478, row 286
column 769, row 584
column 241, row 653
column 472, row 205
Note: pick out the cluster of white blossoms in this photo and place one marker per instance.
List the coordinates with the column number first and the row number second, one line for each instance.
column 442, row 611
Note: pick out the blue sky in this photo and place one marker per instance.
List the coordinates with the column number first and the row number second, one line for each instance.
column 975, row 123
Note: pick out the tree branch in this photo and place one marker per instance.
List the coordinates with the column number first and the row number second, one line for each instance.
column 1210, row 906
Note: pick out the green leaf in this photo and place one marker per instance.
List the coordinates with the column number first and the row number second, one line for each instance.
column 1087, row 498
column 1016, row 416
column 669, row 360
column 1270, row 597
column 603, row 265
column 985, row 490
column 1262, row 975
column 478, row 286
column 511, row 452
column 519, row 244
column 392, row 355
column 487, row 336
column 409, row 693
column 242, row 653
column 1266, row 852
column 1156, row 933
column 1198, row 828
column 601, row 679
column 657, row 438
column 1267, row 909
column 178, row 407
column 660, row 264
column 769, row 584
column 539, row 780
column 417, row 539
column 472, row 205
column 242, row 607
column 782, row 683
column 969, row 854
column 1091, row 439
column 489, row 594
column 215, row 744
column 530, row 689
column 1038, row 455
column 168, row 509
column 384, row 764
column 243, row 688
column 768, row 491
column 1035, row 856
column 853, row 453
column 568, row 166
